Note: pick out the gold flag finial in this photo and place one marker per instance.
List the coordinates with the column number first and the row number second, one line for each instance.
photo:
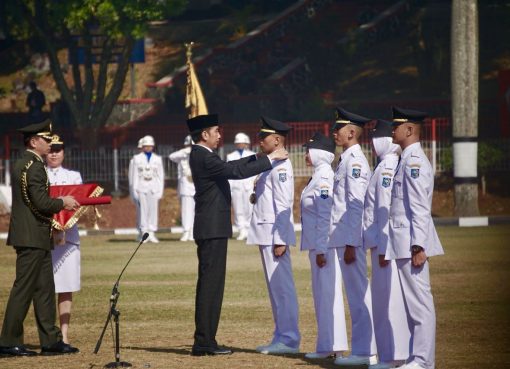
column 195, row 100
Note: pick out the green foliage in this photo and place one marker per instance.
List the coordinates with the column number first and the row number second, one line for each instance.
column 489, row 156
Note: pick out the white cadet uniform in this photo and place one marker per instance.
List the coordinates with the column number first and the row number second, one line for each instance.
column 241, row 191
column 411, row 224
column 391, row 331
column 272, row 224
column 351, row 181
column 185, row 188
column 147, row 181
column 66, row 257
column 316, row 203
column 132, row 194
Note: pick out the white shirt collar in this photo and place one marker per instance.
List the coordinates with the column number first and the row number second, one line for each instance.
column 407, row 151
column 205, row 147
column 350, row 150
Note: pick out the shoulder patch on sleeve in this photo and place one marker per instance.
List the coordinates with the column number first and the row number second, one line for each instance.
column 282, row 176
column 324, row 191
column 415, row 172
column 386, row 182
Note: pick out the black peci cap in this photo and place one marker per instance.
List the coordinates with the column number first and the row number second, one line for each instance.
column 383, row 128
column 202, row 122
column 271, row 126
column 407, row 115
column 344, row 117
column 321, row 142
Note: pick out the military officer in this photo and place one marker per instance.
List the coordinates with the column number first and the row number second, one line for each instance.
column 185, row 188
column 66, row 254
column 148, row 181
column 241, row 190
column 29, row 234
column 316, row 203
column 272, row 229
column 412, row 235
column 391, row 331
column 350, row 185
column 131, row 191
column 213, row 225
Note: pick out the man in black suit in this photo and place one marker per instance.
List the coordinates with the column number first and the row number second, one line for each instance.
column 213, row 226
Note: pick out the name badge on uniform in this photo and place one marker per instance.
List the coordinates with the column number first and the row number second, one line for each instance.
column 415, row 172
column 356, row 172
column 282, row 177
column 386, row 181
column 324, row 193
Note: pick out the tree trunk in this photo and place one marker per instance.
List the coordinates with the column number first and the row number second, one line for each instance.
column 464, row 49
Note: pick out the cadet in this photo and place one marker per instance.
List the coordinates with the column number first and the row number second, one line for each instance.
column 412, row 235
column 391, row 331
column 29, row 233
column 351, row 181
column 132, row 192
column 272, row 229
column 147, row 182
column 241, row 190
column 185, row 188
column 316, row 203
column 66, row 253
column 213, row 225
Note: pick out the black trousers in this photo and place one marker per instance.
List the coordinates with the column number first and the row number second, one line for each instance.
column 212, row 261
column 34, row 282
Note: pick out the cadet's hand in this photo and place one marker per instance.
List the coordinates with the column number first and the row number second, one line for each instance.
column 279, row 154
column 383, row 262
column 70, row 203
column 349, row 254
column 279, row 250
column 419, row 258
column 320, row 259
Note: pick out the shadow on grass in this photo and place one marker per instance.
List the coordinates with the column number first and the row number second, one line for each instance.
column 132, row 240
column 186, row 350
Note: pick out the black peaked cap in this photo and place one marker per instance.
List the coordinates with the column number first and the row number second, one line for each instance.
column 42, row 129
column 383, row 128
column 270, row 126
column 401, row 115
column 321, row 142
column 345, row 117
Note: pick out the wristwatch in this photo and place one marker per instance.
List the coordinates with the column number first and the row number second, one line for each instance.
column 416, row 249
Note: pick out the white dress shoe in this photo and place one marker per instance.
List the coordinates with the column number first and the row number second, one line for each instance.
column 243, row 234
column 262, row 347
column 411, row 365
column 356, row 360
column 152, row 238
column 185, row 236
column 278, row 348
column 386, row 365
column 319, row 355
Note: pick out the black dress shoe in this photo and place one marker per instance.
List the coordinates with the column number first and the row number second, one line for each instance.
column 59, row 348
column 16, row 351
column 204, row 350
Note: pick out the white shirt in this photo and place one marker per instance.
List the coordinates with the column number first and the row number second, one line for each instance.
column 147, row 175
column 185, row 185
column 245, row 185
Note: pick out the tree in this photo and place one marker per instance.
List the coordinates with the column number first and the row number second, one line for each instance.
column 94, row 90
column 464, row 65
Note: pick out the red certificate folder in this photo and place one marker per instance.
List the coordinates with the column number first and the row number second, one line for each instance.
column 85, row 194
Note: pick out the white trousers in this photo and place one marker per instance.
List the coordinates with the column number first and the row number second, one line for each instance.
column 329, row 303
column 360, row 302
column 187, row 213
column 137, row 207
column 282, row 293
column 415, row 284
column 148, row 212
column 242, row 209
column 391, row 330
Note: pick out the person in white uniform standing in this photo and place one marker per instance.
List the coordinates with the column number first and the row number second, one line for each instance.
column 66, row 253
column 148, row 180
column 412, row 235
column 316, row 203
column 185, row 188
column 242, row 189
column 272, row 229
column 131, row 191
column 392, row 333
column 350, row 185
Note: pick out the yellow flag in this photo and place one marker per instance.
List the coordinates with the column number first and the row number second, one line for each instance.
column 195, row 101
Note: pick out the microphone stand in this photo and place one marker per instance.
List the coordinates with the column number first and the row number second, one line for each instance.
column 114, row 297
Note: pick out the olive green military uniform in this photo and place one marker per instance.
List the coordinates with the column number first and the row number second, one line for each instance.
column 29, row 233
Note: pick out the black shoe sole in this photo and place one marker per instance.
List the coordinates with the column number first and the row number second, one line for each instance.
column 54, row 353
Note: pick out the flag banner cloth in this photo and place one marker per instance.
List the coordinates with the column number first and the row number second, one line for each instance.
column 85, row 194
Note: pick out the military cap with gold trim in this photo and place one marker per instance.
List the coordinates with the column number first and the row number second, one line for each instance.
column 202, row 122
column 345, row 117
column 272, row 126
column 56, row 143
column 401, row 115
column 321, row 142
column 42, row 129
column 383, row 128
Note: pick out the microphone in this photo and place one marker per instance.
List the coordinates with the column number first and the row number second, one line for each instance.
column 144, row 237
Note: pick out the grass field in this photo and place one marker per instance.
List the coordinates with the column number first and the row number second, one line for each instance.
column 470, row 284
